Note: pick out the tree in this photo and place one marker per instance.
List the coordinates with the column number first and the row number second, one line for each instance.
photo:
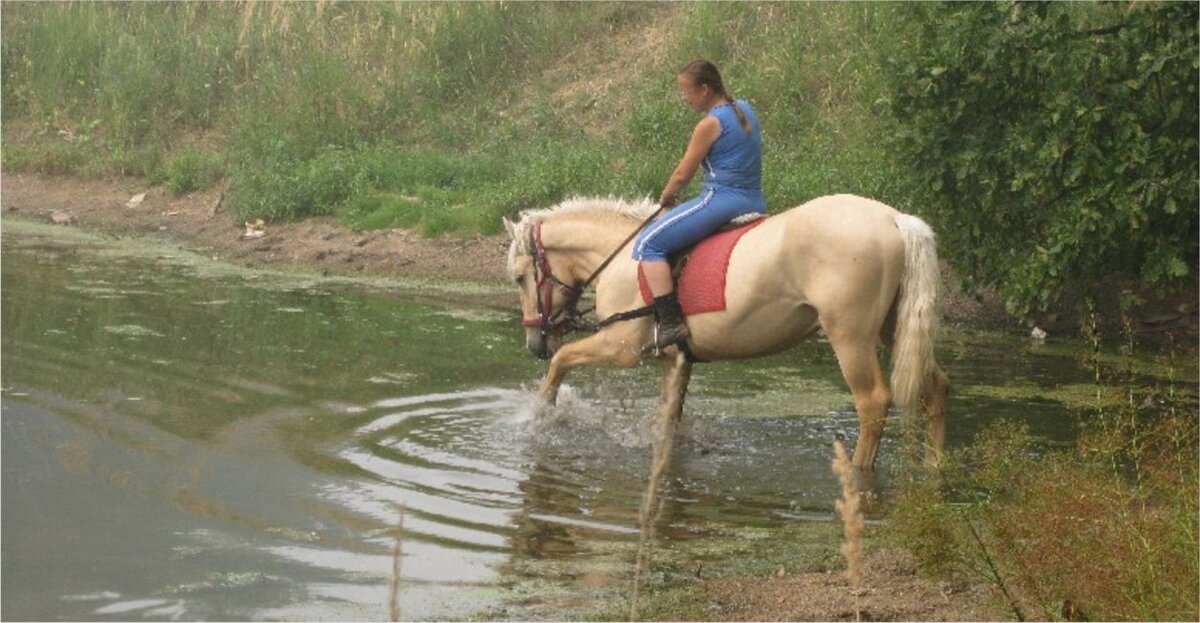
column 1054, row 141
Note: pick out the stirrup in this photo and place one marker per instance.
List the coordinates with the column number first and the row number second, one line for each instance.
column 655, row 347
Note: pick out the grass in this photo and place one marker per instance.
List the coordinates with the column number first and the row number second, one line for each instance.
column 436, row 117
column 1105, row 530
column 190, row 169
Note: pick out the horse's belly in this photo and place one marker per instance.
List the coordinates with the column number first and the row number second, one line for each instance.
column 734, row 334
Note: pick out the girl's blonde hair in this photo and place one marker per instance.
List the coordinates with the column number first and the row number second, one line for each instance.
column 704, row 72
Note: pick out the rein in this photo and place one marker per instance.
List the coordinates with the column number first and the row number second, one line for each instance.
column 568, row 318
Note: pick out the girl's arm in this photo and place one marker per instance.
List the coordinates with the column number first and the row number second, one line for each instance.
column 703, row 137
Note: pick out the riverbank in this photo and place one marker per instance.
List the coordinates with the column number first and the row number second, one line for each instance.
column 199, row 222
column 417, row 116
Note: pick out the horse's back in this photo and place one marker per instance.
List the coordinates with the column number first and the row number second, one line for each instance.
column 837, row 258
column 842, row 216
column 826, row 232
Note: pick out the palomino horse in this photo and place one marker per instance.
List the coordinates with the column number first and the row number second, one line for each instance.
column 856, row 268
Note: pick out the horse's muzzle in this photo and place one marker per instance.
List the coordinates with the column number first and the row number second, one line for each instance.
column 542, row 348
column 540, row 352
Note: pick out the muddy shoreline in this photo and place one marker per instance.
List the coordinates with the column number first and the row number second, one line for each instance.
column 200, row 222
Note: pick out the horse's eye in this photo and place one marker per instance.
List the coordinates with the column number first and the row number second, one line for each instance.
column 520, row 280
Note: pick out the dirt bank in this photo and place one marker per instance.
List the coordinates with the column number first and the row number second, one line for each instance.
column 892, row 590
column 200, row 222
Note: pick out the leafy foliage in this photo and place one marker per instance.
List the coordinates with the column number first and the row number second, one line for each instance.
column 1052, row 141
column 190, row 169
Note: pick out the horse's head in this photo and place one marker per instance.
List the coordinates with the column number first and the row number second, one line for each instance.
column 553, row 269
column 540, row 286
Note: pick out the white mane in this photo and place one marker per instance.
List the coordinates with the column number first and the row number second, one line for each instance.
column 528, row 218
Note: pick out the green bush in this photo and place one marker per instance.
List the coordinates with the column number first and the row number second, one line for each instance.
column 282, row 188
column 1050, row 142
column 1065, row 534
column 191, row 169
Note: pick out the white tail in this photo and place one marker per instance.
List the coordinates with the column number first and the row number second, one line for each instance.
column 913, row 361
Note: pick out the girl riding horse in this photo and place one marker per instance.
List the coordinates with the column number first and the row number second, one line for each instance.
column 728, row 144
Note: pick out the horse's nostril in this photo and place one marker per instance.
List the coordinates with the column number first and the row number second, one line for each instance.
column 541, row 350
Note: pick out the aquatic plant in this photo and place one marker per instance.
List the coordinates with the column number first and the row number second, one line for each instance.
column 397, row 553
column 848, row 507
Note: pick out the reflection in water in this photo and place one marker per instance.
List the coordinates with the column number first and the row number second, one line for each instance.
column 651, row 510
column 397, row 567
column 181, row 442
column 676, row 375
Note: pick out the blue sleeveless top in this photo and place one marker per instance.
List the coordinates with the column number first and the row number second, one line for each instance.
column 735, row 158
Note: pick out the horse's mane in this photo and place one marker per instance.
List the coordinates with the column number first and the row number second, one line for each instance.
column 604, row 207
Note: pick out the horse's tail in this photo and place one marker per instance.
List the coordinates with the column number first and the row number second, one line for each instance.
column 913, row 361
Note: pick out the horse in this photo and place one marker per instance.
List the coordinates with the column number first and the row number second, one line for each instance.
column 856, row 268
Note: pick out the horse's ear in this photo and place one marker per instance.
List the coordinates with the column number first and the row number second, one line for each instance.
column 510, row 226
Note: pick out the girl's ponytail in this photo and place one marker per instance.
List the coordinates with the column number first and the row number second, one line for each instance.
column 704, row 72
column 741, row 116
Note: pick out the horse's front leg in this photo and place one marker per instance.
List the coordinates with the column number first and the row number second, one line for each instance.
column 677, row 371
column 602, row 349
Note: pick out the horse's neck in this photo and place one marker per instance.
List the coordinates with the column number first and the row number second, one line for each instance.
column 586, row 243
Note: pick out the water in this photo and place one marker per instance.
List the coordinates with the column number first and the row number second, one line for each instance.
column 186, row 440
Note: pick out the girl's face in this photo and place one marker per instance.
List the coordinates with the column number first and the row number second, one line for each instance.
column 697, row 96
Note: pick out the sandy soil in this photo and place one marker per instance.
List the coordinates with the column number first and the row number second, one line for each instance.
column 891, row 590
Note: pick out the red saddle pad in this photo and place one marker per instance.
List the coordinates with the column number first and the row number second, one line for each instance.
column 702, row 285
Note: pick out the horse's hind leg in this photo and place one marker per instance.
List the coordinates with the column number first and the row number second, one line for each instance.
column 860, row 365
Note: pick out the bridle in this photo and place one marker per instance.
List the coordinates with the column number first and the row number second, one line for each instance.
column 569, row 318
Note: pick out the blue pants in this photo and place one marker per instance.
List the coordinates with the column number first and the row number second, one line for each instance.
column 690, row 222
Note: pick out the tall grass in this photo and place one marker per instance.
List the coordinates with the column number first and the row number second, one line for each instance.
column 437, row 116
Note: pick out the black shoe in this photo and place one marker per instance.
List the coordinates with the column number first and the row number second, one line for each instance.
column 669, row 328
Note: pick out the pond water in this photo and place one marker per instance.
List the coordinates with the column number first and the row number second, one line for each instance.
column 187, row 440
